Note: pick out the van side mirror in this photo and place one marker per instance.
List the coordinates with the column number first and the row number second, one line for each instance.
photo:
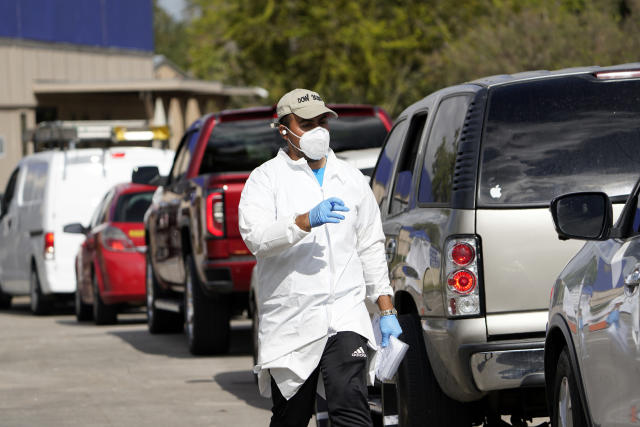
column 75, row 228
column 584, row 216
column 144, row 174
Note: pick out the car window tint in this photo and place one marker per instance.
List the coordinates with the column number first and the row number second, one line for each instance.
column 402, row 187
column 183, row 157
column 356, row 132
column 239, row 146
column 35, row 182
column 437, row 169
column 555, row 136
column 132, row 207
column 98, row 212
column 382, row 174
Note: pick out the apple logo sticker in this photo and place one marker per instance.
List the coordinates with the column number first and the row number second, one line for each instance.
column 496, row 192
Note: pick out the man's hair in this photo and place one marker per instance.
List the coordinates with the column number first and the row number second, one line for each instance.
column 285, row 120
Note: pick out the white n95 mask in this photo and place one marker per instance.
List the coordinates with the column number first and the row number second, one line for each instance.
column 314, row 143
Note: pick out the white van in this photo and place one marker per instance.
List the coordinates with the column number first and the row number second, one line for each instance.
column 46, row 191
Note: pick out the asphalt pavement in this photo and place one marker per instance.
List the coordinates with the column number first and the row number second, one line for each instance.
column 55, row 371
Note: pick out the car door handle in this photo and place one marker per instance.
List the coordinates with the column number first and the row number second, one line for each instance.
column 632, row 281
column 390, row 249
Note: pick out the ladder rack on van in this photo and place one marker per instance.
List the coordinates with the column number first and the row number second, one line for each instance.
column 97, row 134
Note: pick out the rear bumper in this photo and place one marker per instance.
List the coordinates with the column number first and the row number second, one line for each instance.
column 228, row 275
column 123, row 276
column 507, row 365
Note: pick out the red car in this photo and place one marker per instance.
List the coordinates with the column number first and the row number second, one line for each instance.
column 110, row 265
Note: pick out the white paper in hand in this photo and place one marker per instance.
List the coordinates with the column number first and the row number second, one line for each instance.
column 388, row 358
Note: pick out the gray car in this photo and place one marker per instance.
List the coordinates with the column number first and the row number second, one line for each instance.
column 592, row 351
column 464, row 184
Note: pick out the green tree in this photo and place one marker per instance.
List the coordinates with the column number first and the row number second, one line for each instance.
column 171, row 38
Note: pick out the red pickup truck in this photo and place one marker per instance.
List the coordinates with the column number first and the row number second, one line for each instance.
column 198, row 268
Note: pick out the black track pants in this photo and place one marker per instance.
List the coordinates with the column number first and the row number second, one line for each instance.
column 343, row 370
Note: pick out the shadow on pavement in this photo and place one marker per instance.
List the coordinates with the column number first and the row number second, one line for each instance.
column 175, row 345
column 242, row 385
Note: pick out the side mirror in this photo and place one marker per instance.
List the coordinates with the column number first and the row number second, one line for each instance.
column 144, row 174
column 75, row 228
column 584, row 216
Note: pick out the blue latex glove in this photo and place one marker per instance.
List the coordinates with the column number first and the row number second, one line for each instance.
column 324, row 212
column 389, row 326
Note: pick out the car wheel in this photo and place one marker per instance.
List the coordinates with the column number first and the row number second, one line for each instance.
column 40, row 303
column 5, row 300
column 206, row 318
column 419, row 397
column 103, row 314
column 567, row 406
column 158, row 321
column 84, row 311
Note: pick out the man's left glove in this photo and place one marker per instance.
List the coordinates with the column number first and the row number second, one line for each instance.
column 389, row 326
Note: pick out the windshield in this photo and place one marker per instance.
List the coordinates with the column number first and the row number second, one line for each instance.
column 243, row 145
column 551, row 137
column 131, row 207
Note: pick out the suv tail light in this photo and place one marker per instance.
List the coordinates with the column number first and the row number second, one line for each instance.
column 115, row 240
column 462, row 289
column 49, row 245
column 215, row 214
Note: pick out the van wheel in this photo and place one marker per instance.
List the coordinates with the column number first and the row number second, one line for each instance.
column 40, row 303
column 206, row 318
column 567, row 406
column 419, row 397
column 5, row 300
column 158, row 321
column 84, row 311
column 103, row 314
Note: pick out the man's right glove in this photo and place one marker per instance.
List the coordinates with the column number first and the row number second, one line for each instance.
column 325, row 212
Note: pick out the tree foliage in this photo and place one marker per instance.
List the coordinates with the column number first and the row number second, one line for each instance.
column 393, row 52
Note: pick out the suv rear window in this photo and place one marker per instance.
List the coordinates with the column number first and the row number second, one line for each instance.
column 555, row 136
column 131, row 207
column 243, row 145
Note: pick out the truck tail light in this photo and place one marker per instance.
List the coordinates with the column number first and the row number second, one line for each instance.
column 114, row 239
column 49, row 245
column 462, row 290
column 215, row 214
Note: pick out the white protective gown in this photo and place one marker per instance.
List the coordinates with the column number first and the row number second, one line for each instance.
column 311, row 285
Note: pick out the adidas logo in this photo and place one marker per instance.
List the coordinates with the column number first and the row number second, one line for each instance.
column 359, row 352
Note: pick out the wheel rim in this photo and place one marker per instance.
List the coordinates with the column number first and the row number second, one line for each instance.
column 149, row 294
column 188, row 306
column 34, row 292
column 565, row 410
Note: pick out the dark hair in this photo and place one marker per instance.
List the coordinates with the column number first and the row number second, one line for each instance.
column 285, row 120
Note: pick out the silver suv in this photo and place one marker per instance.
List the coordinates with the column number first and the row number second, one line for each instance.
column 464, row 183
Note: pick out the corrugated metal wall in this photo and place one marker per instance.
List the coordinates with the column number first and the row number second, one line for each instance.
column 124, row 24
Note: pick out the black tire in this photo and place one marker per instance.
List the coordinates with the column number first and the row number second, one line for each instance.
column 420, row 400
column 206, row 318
column 158, row 321
column 254, row 335
column 40, row 304
column 5, row 300
column 83, row 311
column 103, row 314
column 567, row 406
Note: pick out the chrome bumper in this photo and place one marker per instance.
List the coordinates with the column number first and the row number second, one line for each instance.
column 504, row 369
